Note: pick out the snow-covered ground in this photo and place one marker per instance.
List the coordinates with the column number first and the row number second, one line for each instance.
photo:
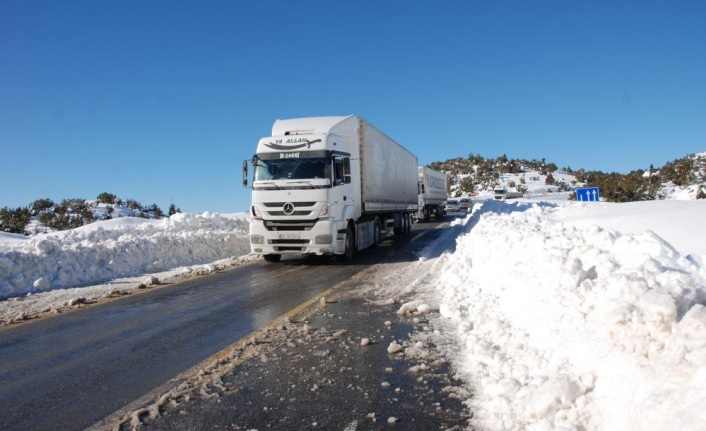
column 558, row 315
column 48, row 272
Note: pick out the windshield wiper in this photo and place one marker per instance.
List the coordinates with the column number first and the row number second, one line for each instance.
column 269, row 183
column 306, row 182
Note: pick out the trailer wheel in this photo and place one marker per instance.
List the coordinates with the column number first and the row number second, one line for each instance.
column 350, row 244
column 272, row 258
column 376, row 233
column 408, row 225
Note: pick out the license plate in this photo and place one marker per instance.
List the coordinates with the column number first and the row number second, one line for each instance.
column 289, row 236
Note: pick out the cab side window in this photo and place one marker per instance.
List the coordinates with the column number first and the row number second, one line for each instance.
column 338, row 177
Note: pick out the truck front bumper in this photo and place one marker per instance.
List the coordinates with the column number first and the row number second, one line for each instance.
column 322, row 239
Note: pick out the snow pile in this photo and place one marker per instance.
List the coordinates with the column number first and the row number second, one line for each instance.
column 567, row 325
column 111, row 249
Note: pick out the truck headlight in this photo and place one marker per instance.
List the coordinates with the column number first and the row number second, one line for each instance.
column 257, row 239
column 324, row 239
column 324, row 211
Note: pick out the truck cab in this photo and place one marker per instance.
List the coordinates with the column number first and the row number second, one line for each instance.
column 500, row 193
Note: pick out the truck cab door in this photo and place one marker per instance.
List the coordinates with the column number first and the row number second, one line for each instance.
column 341, row 190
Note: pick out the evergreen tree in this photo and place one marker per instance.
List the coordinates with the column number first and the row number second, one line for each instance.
column 106, row 198
column 14, row 221
column 466, row 185
column 155, row 210
column 40, row 205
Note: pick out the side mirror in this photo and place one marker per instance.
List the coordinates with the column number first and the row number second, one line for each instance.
column 245, row 173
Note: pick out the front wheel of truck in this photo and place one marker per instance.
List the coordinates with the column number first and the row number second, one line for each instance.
column 272, row 258
column 349, row 252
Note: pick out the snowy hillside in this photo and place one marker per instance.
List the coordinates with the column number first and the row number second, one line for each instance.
column 683, row 178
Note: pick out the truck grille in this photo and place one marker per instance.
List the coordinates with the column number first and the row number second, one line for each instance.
column 296, row 204
column 295, row 213
column 295, row 209
column 296, row 225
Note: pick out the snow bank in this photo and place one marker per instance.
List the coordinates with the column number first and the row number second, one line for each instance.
column 573, row 326
column 121, row 247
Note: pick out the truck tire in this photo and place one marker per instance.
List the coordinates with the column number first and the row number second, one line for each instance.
column 272, row 258
column 408, row 225
column 376, row 233
column 349, row 251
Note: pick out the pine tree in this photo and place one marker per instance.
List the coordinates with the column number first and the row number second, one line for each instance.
column 550, row 179
column 40, row 205
column 14, row 221
column 106, row 198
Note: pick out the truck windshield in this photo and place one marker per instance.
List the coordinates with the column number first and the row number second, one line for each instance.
column 292, row 169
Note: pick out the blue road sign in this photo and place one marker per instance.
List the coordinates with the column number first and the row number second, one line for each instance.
column 588, row 194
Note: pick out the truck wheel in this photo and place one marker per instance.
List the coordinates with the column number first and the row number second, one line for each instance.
column 272, row 258
column 408, row 225
column 350, row 244
column 376, row 233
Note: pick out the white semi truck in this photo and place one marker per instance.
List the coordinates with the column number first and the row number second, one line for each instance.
column 328, row 186
column 432, row 193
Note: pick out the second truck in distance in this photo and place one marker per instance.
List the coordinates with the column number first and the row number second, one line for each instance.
column 432, row 193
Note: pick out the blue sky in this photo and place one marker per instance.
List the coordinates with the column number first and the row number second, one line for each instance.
column 161, row 100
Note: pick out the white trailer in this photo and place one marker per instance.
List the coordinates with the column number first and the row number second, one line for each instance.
column 432, row 193
column 328, row 186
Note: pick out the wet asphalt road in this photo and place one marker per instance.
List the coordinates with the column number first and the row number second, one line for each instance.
column 69, row 371
column 316, row 375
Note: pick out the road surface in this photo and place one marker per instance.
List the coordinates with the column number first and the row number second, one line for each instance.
column 69, row 371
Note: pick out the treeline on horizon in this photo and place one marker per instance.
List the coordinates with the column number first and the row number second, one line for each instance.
column 73, row 213
column 471, row 174
column 476, row 173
